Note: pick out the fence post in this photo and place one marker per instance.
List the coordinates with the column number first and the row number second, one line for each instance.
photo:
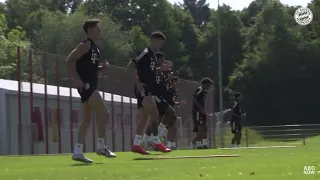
column 112, row 122
column 247, row 137
column 44, row 66
column 19, row 101
column 31, row 89
column 71, row 114
column 59, row 118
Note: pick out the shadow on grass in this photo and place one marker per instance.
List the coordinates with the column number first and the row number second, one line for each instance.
column 85, row 164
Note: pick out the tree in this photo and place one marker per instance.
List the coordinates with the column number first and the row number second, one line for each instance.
column 10, row 39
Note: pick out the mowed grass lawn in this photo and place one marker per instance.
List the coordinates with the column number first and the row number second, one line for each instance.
column 258, row 164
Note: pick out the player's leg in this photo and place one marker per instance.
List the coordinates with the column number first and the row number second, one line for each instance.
column 196, row 138
column 205, row 142
column 171, row 119
column 84, row 126
column 239, row 135
column 142, row 123
column 149, row 102
column 168, row 119
column 233, row 131
column 172, row 133
column 147, row 138
column 102, row 117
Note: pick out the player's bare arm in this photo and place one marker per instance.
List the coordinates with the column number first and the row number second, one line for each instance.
column 76, row 54
column 132, row 71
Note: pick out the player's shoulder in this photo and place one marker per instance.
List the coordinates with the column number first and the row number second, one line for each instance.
column 199, row 89
column 235, row 104
column 84, row 45
column 143, row 53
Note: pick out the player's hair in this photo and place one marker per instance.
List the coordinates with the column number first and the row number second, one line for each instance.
column 90, row 23
column 206, row 80
column 237, row 95
column 158, row 35
column 159, row 55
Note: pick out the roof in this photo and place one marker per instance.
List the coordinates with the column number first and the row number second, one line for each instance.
column 11, row 85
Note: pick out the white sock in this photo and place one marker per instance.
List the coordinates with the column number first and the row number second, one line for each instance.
column 146, row 137
column 161, row 128
column 137, row 140
column 173, row 144
column 78, row 149
column 191, row 146
column 101, row 144
column 199, row 144
column 156, row 139
column 205, row 142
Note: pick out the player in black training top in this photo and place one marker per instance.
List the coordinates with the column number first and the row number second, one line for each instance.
column 83, row 66
column 235, row 121
column 149, row 92
column 171, row 97
column 167, row 114
column 199, row 115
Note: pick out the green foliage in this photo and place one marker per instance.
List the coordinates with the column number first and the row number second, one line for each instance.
column 264, row 53
column 9, row 40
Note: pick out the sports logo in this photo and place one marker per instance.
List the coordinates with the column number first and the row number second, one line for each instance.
column 303, row 16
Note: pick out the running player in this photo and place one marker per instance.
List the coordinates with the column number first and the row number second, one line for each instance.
column 199, row 115
column 235, row 121
column 148, row 90
column 166, row 113
column 83, row 66
column 171, row 97
column 160, row 80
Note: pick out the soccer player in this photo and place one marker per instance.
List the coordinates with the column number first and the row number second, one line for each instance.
column 199, row 115
column 148, row 90
column 171, row 97
column 160, row 80
column 166, row 113
column 83, row 67
column 235, row 121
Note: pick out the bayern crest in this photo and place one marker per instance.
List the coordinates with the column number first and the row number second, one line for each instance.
column 303, row 16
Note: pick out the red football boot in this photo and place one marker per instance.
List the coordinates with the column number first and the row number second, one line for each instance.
column 139, row 149
column 161, row 147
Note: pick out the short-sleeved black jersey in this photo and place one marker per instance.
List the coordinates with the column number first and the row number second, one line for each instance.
column 87, row 65
column 200, row 96
column 236, row 116
column 146, row 67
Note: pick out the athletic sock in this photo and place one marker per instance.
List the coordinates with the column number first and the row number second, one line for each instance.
column 137, row 140
column 161, row 127
column 191, row 146
column 146, row 137
column 101, row 144
column 205, row 142
column 78, row 149
column 173, row 144
column 199, row 144
column 156, row 139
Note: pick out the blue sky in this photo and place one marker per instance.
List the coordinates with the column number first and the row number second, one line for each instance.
column 240, row 4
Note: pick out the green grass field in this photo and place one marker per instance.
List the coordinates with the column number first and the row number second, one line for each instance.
column 260, row 164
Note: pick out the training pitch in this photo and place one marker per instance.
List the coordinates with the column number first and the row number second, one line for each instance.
column 253, row 164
